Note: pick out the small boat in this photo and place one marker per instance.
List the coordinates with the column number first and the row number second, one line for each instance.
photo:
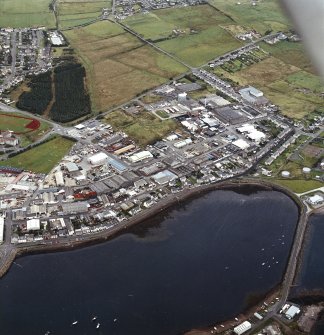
column 47, row 333
column 98, row 325
column 115, row 320
column 263, row 263
column 94, row 318
column 74, row 323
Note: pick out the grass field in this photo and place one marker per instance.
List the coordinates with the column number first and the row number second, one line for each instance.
column 118, row 65
column 200, row 37
column 291, row 53
column 299, row 186
column 198, row 49
column 22, row 13
column 42, row 159
column 72, row 13
column 144, row 128
column 18, row 125
column 266, row 15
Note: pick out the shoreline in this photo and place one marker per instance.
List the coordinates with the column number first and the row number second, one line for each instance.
column 164, row 204
column 246, row 185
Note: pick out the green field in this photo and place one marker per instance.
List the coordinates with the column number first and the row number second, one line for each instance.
column 43, row 158
column 299, row 186
column 193, row 34
column 144, row 128
column 267, row 15
column 292, row 53
column 72, row 13
column 26, row 13
column 18, row 125
column 118, row 65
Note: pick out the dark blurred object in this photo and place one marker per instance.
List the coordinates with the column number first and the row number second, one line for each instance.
column 308, row 17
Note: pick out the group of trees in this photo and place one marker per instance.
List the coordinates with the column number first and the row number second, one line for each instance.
column 40, row 95
column 71, row 99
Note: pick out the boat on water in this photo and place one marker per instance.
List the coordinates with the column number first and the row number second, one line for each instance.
column 98, row 325
column 47, row 333
column 75, row 322
column 94, row 318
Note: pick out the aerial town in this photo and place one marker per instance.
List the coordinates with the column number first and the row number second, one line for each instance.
column 108, row 180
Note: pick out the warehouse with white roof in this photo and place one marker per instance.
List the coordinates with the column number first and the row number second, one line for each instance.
column 242, row 328
column 140, row 156
column 33, row 224
column 98, row 158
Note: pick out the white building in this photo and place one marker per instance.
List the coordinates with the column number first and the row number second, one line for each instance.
column 33, row 224
column 172, row 137
column 242, row 328
column 59, row 179
column 182, row 97
column 164, row 177
column 256, row 136
column 241, row 144
column 291, row 312
column 140, row 156
column 183, row 143
column 315, row 199
column 191, row 126
column 98, row 158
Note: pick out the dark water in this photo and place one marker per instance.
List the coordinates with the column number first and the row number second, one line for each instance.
column 193, row 266
column 311, row 277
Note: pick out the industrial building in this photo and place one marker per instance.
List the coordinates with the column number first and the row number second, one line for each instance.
column 253, row 95
column 164, row 177
column 140, row 156
column 316, row 199
column 242, row 328
column 98, row 158
column 124, row 149
column 116, row 164
column 75, row 207
column 291, row 312
column 33, row 224
column 241, row 144
column 59, row 179
column 229, row 115
column 183, row 143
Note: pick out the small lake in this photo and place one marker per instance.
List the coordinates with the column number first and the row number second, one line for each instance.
column 200, row 262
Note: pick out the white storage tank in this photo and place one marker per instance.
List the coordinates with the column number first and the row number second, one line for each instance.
column 285, row 174
column 306, row 170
